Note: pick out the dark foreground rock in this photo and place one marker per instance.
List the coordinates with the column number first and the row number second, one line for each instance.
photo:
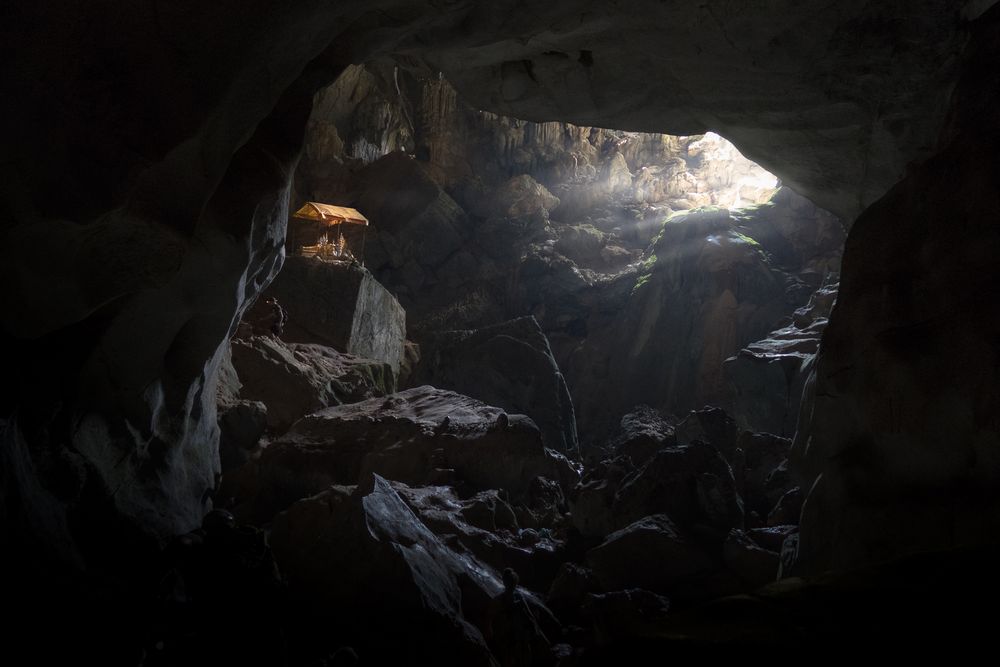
column 363, row 559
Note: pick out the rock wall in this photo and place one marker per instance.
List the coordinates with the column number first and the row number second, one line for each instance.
column 902, row 436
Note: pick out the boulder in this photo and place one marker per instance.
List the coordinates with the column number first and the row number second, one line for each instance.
column 362, row 557
column 340, row 304
column 692, row 484
column 643, row 432
column 592, row 501
column 509, row 365
column 713, row 426
column 522, row 195
column 240, row 429
column 293, row 380
column 421, row 436
column 485, row 527
column 650, row 554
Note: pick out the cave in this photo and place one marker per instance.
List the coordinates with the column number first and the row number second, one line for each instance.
column 614, row 333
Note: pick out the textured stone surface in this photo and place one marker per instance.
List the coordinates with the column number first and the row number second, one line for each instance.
column 340, row 304
column 293, row 380
column 508, row 365
column 418, row 436
column 768, row 377
column 363, row 553
column 903, row 433
column 706, row 290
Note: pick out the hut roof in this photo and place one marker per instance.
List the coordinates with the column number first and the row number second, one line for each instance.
column 329, row 214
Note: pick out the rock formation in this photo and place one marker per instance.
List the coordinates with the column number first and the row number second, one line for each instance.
column 509, row 365
column 341, row 305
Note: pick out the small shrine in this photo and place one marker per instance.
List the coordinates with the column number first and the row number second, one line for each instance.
column 328, row 232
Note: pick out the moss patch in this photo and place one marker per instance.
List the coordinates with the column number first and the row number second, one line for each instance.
column 746, row 239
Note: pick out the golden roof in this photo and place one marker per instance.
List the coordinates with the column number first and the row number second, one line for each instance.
column 329, row 214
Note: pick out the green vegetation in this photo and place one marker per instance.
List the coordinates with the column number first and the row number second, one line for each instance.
column 752, row 211
column 646, row 268
column 746, row 239
column 642, row 280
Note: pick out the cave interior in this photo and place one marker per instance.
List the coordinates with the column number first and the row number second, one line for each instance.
column 510, row 333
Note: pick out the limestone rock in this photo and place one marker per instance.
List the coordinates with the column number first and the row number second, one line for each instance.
column 294, row 380
column 523, row 195
column 340, row 304
column 421, row 436
column 768, row 376
column 644, row 432
column 240, row 429
column 649, row 554
column 485, row 527
column 692, row 484
column 362, row 555
column 713, row 426
column 509, row 365
column 705, row 287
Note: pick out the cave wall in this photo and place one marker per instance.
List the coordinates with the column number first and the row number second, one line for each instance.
column 147, row 153
column 901, row 438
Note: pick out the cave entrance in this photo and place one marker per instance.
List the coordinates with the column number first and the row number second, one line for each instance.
column 662, row 271
column 572, row 338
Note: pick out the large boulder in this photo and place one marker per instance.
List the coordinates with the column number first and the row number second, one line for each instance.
column 340, row 304
column 293, row 380
column 366, row 561
column 644, row 431
column 419, row 436
column 509, row 365
column 691, row 483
